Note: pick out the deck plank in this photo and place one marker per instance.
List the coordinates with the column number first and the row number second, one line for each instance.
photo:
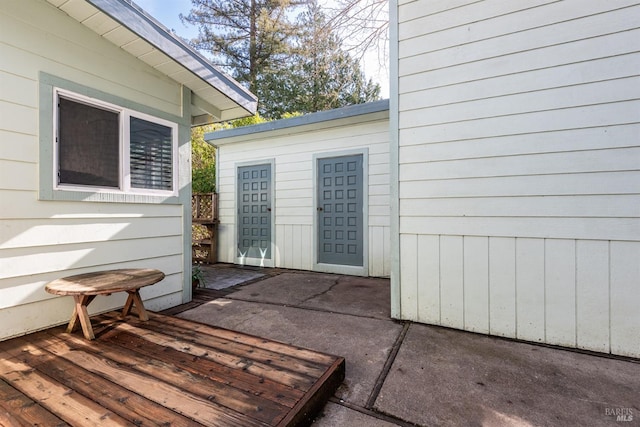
column 235, row 348
column 235, row 378
column 286, row 349
column 167, row 394
column 165, row 371
column 72, row 407
column 117, row 399
column 289, row 378
column 240, row 401
column 18, row 409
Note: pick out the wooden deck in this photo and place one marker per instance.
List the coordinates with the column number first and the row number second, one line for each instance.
column 165, row 372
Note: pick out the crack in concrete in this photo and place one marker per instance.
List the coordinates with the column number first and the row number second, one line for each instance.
column 335, row 283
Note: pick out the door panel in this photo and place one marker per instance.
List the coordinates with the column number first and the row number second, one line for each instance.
column 340, row 210
column 254, row 211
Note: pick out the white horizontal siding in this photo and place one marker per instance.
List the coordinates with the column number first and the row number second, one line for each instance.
column 570, row 55
column 44, row 240
column 559, row 77
column 60, row 258
column 474, row 45
column 598, row 206
column 607, row 114
column 539, row 185
column 56, row 311
column 565, row 228
column 294, row 186
column 19, row 233
column 606, row 160
column 441, row 15
column 578, row 95
column 518, row 166
column 22, row 290
column 563, row 141
column 21, row 147
column 520, row 20
column 25, row 205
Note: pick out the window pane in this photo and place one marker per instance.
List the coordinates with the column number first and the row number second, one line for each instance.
column 88, row 146
column 151, row 155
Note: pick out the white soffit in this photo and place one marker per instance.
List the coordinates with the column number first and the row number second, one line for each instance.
column 129, row 27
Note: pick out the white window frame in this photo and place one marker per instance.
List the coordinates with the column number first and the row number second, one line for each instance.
column 124, row 115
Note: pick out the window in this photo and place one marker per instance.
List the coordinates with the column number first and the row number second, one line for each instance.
column 103, row 147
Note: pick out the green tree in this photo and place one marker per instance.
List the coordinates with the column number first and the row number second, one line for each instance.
column 203, row 161
column 203, row 154
column 244, row 36
column 320, row 74
column 292, row 65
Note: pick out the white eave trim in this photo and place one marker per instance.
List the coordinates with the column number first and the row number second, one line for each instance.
column 148, row 28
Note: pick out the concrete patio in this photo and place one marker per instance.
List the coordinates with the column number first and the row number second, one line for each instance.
column 403, row 373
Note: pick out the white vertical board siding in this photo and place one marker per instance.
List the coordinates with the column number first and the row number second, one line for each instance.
column 44, row 240
column 519, row 140
column 624, row 298
column 530, row 292
column 451, row 281
column 560, row 292
column 293, row 152
column 476, row 284
column 429, row 279
column 409, row 272
column 592, row 295
column 502, row 292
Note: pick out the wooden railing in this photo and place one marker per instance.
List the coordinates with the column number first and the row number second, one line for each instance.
column 204, row 235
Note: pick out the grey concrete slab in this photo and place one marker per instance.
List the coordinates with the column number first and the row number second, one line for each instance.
column 337, row 415
column 287, row 288
column 365, row 343
column 219, row 277
column 360, row 296
column 443, row 377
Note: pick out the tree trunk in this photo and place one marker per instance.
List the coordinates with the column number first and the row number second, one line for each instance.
column 253, row 48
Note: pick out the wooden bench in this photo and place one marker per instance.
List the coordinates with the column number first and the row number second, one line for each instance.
column 85, row 287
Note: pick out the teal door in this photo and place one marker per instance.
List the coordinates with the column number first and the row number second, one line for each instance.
column 340, row 210
column 254, row 211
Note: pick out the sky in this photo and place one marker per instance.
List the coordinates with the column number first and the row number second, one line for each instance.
column 168, row 11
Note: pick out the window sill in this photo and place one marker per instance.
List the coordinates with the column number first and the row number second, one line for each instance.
column 107, row 197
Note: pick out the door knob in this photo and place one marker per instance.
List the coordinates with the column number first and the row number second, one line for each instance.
column 319, row 209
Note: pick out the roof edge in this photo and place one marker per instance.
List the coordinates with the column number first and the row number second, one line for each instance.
column 133, row 17
column 308, row 119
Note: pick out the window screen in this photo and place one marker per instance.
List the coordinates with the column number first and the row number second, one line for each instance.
column 88, row 145
column 150, row 147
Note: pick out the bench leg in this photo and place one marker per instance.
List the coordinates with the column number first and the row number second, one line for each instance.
column 80, row 313
column 134, row 298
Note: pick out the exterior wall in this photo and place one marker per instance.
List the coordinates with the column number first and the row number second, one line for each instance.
column 41, row 240
column 518, row 163
column 293, row 155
